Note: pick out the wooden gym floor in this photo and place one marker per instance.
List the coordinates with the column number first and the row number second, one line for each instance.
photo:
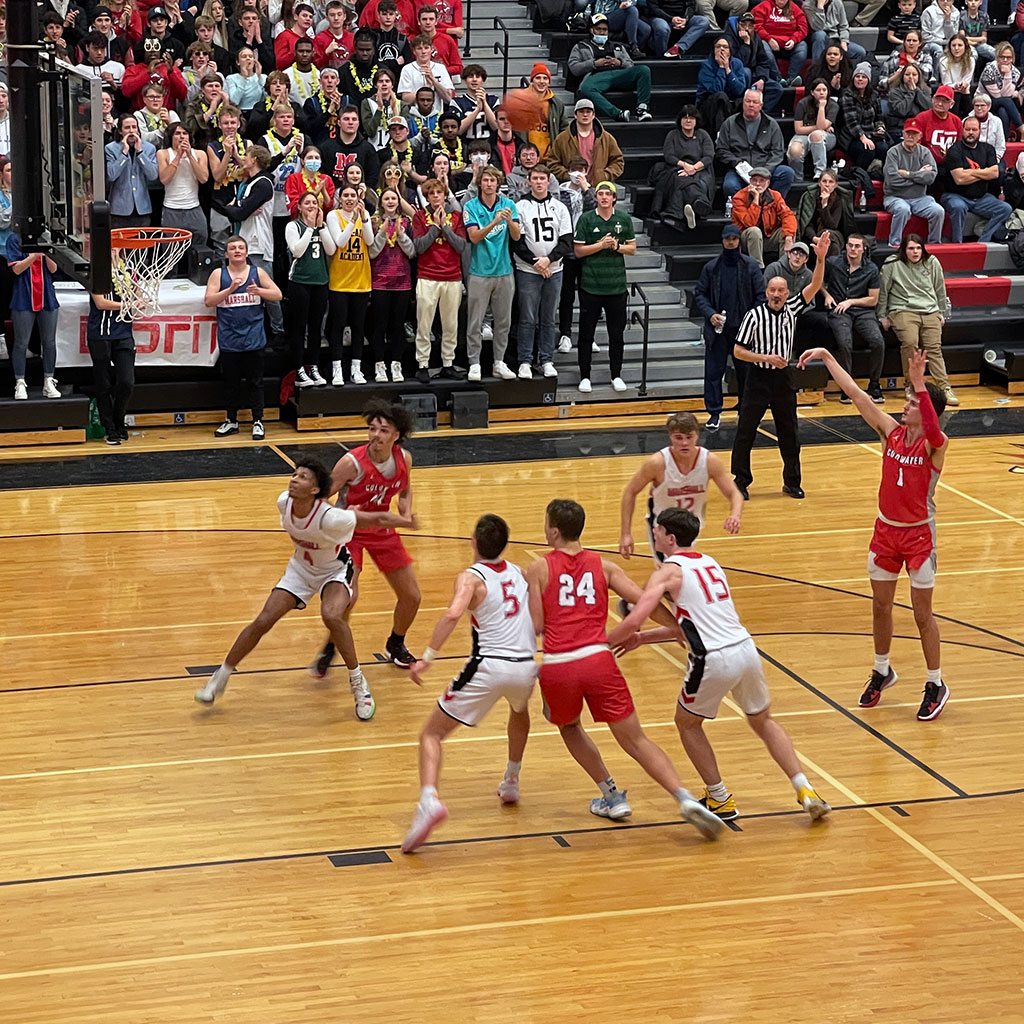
column 170, row 864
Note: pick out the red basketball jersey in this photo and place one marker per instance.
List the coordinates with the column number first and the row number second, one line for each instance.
column 374, row 492
column 908, row 480
column 575, row 601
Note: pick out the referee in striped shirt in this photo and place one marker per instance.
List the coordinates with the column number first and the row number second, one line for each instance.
column 765, row 339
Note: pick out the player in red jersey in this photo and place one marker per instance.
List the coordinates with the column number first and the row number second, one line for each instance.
column 569, row 605
column 912, row 456
column 370, row 478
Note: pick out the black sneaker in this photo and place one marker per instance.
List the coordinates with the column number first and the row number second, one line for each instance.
column 123, row 433
column 643, row 114
column 399, row 654
column 625, row 115
column 452, row 373
column 227, row 427
column 623, row 607
column 845, row 399
column 113, row 439
column 423, row 375
column 935, row 697
column 876, row 684
column 714, row 422
column 875, row 393
column 322, row 662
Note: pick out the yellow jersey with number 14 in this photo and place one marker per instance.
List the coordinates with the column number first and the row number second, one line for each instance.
column 350, row 265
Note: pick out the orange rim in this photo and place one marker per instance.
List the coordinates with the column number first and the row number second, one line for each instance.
column 146, row 238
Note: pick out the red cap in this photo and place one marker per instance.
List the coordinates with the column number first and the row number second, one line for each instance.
column 911, row 125
column 945, row 91
column 540, row 68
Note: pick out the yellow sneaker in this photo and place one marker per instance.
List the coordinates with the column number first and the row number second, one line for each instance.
column 812, row 804
column 725, row 809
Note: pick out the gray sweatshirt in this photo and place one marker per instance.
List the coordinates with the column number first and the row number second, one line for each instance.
column 921, row 165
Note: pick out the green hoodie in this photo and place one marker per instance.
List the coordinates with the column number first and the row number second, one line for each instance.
column 911, row 287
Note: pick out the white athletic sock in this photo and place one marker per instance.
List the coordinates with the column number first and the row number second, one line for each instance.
column 427, row 793
column 800, row 782
column 682, row 794
column 934, row 676
column 607, row 787
column 224, row 672
column 882, row 664
column 513, row 769
column 718, row 791
column 355, row 673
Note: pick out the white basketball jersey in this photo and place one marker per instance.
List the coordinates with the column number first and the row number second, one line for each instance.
column 681, row 490
column 703, row 607
column 502, row 626
column 320, row 536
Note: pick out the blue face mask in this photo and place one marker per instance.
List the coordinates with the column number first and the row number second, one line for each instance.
column 600, row 40
column 312, row 165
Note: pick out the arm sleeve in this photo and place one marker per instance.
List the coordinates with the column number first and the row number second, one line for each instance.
column 282, row 502
column 298, row 236
column 929, row 420
column 338, row 525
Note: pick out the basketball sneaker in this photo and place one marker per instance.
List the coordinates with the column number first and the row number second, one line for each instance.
column 565, row 343
column 615, row 806
column 502, row 371
column 430, row 812
column 508, row 789
column 812, row 803
column 227, row 427
column 935, row 697
column 876, row 684
column 259, row 432
column 706, row 822
column 398, row 654
column 322, row 663
column 725, row 809
column 316, row 376
column 215, row 686
column 380, row 373
column 623, row 607
column 396, row 372
column 303, row 379
column 365, row 707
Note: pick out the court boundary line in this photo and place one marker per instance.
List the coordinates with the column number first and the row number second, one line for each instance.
column 475, row 927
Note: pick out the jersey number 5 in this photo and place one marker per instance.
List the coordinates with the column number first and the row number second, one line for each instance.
column 509, row 597
column 583, row 589
column 712, row 583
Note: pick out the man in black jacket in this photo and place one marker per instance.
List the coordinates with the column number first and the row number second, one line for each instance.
column 346, row 146
column 728, row 287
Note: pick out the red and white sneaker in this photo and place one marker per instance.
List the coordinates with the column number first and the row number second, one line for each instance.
column 430, row 812
column 672, row 51
column 508, row 789
column 935, row 697
column 876, row 684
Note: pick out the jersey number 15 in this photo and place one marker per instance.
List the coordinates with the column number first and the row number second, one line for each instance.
column 712, row 583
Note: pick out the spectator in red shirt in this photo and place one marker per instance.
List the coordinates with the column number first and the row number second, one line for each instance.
column 406, row 23
column 783, row 26
column 157, row 67
column 449, row 16
column 939, row 128
column 333, row 46
column 302, row 28
column 440, row 239
column 446, row 49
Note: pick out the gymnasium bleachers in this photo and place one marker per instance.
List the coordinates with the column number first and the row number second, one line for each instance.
column 984, row 287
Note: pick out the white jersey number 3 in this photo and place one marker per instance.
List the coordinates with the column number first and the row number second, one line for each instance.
column 584, row 589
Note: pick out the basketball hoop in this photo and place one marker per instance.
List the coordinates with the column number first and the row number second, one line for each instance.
column 142, row 258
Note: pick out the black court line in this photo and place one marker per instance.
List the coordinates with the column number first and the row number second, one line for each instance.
column 350, row 860
column 562, row 841
column 836, row 706
column 899, row 810
column 620, row 826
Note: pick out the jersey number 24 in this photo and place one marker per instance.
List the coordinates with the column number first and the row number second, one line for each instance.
column 569, row 590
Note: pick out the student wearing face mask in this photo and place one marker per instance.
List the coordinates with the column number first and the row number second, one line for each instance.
column 309, row 178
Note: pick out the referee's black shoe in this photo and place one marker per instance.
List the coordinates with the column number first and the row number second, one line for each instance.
column 794, row 492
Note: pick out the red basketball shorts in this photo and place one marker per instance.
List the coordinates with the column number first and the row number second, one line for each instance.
column 386, row 549
column 595, row 679
column 892, row 547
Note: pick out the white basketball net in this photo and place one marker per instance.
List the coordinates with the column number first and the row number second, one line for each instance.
column 138, row 272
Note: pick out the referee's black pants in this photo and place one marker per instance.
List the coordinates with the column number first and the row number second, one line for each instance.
column 766, row 389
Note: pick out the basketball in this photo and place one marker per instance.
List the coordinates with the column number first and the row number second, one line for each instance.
column 522, row 108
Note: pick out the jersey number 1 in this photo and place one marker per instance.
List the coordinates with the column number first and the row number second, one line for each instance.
column 584, row 589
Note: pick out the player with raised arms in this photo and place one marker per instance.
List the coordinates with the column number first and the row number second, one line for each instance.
column 502, row 665
column 913, row 453
column 320, row 565
column 722, row 659
column 678, row 477
column 370, row 477
column 569, row 604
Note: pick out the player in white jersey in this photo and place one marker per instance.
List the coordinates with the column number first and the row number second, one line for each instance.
column 320, row 565
column 678, row 477
column 722, row 659
column 502, row 665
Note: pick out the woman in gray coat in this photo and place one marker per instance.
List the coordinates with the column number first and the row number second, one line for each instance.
column 684, row 181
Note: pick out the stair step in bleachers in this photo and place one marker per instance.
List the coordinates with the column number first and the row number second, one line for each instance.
column 38, row 420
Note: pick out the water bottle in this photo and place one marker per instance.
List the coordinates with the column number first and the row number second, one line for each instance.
column 949, row 310
column 728, row 209
column 863, row 201
column 721, row 326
